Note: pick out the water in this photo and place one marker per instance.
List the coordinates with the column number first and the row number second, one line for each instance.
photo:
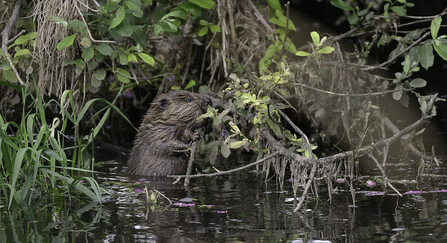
column 236, row 208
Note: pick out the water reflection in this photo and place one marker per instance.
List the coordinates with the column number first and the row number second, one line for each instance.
column 236, row 208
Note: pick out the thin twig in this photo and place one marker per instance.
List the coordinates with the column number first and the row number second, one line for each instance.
column 161, row 194
column 261, row 18
column 426, row 17
column 15, row 37
column 88, row 30
column 297, row 129
column 306, row 189
column 228, row 171
column 351, row 95
column 287, row 26
column 368, row 68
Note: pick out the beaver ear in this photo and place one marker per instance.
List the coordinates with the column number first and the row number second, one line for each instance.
column 163, row 104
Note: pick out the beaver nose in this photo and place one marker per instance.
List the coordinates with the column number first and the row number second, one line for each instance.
column 208, row 102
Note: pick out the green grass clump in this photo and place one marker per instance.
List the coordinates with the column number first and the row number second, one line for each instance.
column 33, row 156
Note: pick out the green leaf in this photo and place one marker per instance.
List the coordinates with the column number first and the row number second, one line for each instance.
column 384, row 39
column 206, row 4
column 123, row 59
column 315, row 38
column 275, row 127
column 10, row 76
column 139, row 37
column 434, row 27
column 418, row 83
column 352, row 19
column 275, row 4
column 132, row 58
column 66, row 42
column 341, row 5
column 214, row 28
column 22, row 52
column 21, row 40
column 92, row 65
column 225, row 150
column 119, row 17
column 398, row 94
column 203, row 22
column 79, row 26
column 88, row 53
column 213, row 153
column 104, row 49
column 235, row 145
column 100, row 74
column 25, row 38
column 399, row 10
column 147, row 59
column 281, row 20
column 80, row 63
column 441, row 49
column 290, row 46
column 426, row 56
column 158, row 29
column 193, row 9
column 125, row 30
column 171, row 14
column 190, row 84
column 135, row 9
column 302, row 53
column 122, row 78
column 95, row 82
column 203, row 31
column 326, row 50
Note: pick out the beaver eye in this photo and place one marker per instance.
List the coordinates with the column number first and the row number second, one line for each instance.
column 189, row 99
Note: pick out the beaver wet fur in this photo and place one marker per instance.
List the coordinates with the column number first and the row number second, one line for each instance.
column 168, row 129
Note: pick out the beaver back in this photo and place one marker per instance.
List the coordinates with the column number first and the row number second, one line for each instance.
column 168, row 128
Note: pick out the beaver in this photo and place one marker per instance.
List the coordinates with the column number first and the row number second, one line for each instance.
column 168, row 129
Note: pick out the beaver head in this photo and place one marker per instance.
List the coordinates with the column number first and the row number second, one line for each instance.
column 179, row 108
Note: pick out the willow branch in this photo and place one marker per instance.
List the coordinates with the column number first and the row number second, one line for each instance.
column 398, row 55
column 428, row 113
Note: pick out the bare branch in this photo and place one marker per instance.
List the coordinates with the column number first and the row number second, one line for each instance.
column 5, row 39
column 351, row 95
column 368, row 68
column 88, row 30
column 228, row 171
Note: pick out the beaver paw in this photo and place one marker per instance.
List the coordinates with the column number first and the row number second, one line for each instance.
column 195, row 136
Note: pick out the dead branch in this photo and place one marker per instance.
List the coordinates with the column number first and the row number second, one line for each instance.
column 228, row 171
column 5, row 38
column 350, row 95
column 296, row 158
column 190, row 163
column 413, row 149
column 88, row 30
